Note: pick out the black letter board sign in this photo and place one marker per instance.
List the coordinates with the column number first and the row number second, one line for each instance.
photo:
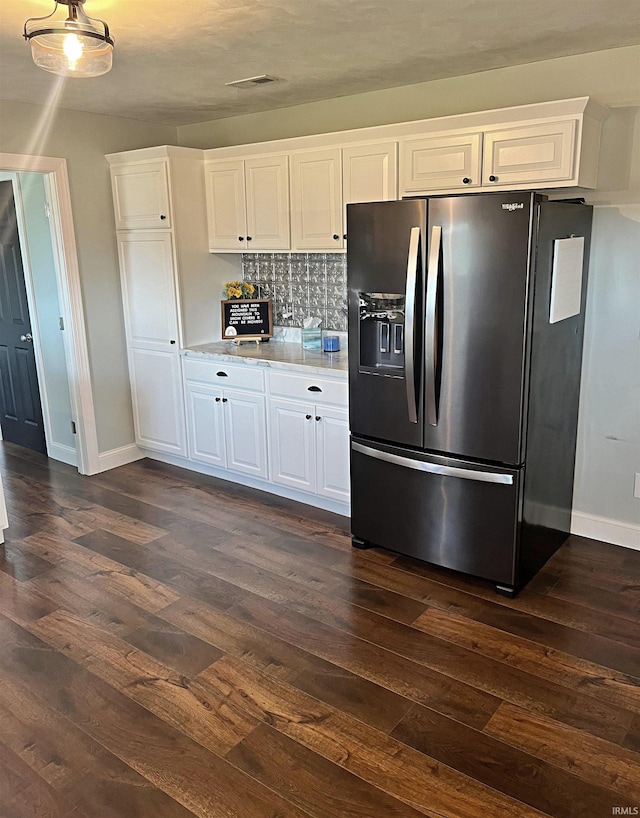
column 247, row 319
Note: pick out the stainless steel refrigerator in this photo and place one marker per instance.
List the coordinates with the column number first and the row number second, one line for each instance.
column 464, row 377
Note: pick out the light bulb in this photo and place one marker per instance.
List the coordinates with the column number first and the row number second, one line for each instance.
column 73, row 49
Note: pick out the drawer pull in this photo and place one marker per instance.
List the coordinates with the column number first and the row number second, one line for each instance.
column 314, row 389
column 222, row 374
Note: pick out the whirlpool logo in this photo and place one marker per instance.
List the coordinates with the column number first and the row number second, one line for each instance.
column 513, row 206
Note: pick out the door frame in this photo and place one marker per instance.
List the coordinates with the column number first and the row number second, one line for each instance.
column 56, row 180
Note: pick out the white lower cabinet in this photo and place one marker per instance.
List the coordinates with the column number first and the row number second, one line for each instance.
column 290, row 430
column 158, row 413
column 309, row 433
column 310, row 448
column 227, row 428
column 293, row 436
column 332, row 454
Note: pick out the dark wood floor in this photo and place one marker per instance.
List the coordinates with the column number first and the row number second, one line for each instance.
column 172, row 645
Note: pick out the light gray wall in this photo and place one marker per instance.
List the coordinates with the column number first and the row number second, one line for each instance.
column 609, row 424
column 83, row 140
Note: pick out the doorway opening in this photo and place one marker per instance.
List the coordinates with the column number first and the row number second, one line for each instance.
column 59, row 342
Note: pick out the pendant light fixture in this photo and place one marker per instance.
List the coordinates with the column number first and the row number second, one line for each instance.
column 78, row 46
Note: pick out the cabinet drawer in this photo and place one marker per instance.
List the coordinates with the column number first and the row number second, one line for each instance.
column 309, row 388
column 223, row 375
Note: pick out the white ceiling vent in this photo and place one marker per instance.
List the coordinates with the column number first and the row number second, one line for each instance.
column 251, row 82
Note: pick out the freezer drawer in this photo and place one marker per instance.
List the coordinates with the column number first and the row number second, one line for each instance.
column 450, row 512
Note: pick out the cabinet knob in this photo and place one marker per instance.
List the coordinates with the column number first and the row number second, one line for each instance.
column 249, row 238
column 240, row 238
column 336, row 236
column 162, row 216
column 318, row 417
column 217, row 400
column 172, row 341
column 345, row 237
column 308, row 417
column 224, row 400
column 493, row 178
column 466, row 181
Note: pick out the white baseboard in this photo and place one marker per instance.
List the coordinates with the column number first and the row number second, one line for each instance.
column 117, row 457
column 603, row 528
column 66, row 454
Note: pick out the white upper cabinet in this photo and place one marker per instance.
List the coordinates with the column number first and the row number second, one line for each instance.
column 451, row 162
column 541, row 153
column 226, row 210
column 541, row 146
column 141, row 196
column 316, row 200
column 267, row 197
column 248, row 204
column 370, row 173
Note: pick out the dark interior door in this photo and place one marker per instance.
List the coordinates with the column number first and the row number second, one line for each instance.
column 20, row 408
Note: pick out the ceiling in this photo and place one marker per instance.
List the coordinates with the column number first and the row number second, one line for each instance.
column 173, row 57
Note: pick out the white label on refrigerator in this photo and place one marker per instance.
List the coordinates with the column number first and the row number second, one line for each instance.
column 566, row 278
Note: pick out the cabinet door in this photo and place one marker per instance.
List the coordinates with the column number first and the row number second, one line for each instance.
column 141, row 196
column 370, row 173
column 267, row 197
column 245, row 432
column 148, row 289
column 293, row 444
column 205, row 424
column 530, row 155
column 440, row 163
column 316, row 200
column 226, row 212
column 332, row 453
column 158, row 409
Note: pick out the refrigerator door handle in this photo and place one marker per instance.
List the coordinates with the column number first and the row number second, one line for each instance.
column 434, row 468
column 410, row 323
column 431, row 326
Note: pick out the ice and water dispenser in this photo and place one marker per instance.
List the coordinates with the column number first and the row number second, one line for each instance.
column 381, row 317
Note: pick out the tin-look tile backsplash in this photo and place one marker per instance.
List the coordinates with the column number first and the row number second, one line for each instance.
column 301, row 284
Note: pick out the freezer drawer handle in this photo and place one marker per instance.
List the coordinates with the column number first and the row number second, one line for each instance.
column 434, row 468
column 410, row 319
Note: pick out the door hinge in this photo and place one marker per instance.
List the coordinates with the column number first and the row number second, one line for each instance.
column 73, row 427
column 61, row 322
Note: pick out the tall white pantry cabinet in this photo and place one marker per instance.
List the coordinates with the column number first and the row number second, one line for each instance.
column 168, row 292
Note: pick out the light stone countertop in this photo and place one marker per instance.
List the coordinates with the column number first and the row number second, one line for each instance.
column 276, row 354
